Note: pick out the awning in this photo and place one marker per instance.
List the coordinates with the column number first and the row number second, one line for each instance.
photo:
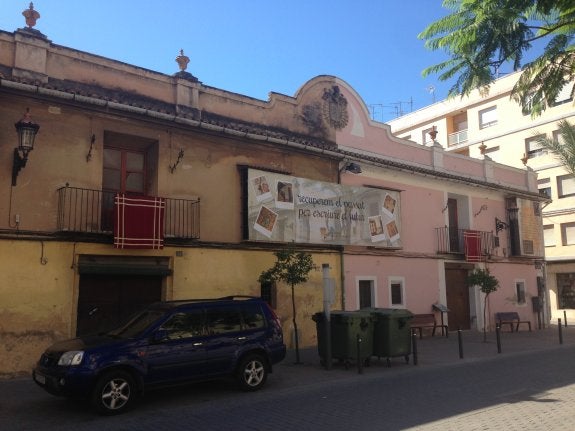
column 122, row 265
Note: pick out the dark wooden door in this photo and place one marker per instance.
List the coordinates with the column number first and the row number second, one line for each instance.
column 453, row 225
column 457, row 298
column 105, row 301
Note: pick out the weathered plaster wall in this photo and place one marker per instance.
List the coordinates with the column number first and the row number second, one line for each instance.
column 38, row 306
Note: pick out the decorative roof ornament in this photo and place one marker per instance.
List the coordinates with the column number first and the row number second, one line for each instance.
column 31, row 16
column 183, row 61
column 335, row 108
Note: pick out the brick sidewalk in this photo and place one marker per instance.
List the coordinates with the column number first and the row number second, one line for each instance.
column 439, row 350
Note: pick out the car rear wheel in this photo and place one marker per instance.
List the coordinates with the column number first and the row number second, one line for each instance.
column 114, row 393
column 252, row 372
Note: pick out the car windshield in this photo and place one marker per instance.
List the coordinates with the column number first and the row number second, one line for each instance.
column 137, row 325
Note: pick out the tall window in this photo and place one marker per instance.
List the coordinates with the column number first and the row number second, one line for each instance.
column 366, row 293
column 396, row 292
column 488, row 117
column 549, row 235
column 124, row 172
column 520, row 291
column 544, row 186
column 568, row 233
column 533, row 148
column 565, row 95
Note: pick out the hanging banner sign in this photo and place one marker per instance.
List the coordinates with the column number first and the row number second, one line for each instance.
column 291, row 209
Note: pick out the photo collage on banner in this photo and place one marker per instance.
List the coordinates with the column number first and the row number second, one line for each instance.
column 292, row 209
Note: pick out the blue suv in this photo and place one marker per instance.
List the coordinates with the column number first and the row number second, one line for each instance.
column 167, row 343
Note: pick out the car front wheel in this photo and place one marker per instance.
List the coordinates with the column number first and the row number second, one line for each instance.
column 114, row 393
column 252, row 372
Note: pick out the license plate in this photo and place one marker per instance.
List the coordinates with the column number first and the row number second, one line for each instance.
column 40, row 378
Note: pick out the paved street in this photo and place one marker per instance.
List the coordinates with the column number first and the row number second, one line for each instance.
column 529, row 386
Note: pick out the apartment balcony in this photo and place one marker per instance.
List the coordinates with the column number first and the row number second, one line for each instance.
column 451, row 241
column 457, row 138
column 87, row 211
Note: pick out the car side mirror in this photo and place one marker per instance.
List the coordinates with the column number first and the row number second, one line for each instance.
column 160, row 336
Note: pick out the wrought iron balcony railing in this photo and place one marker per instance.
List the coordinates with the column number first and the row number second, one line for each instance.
column 91, row 211
column 450, row 240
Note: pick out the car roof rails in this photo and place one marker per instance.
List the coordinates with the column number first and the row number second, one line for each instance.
column 222, row 298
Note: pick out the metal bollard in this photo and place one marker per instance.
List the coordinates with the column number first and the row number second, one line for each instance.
column 498, row 333
column 414, row 346
column 460, row 340
column 565, row 317
column 359, row 362
column 560, row 331
column 328, row 344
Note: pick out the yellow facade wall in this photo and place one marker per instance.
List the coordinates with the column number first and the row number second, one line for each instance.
column 38, row 306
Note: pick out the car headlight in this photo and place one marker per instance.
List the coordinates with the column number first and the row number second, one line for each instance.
column 73, row 357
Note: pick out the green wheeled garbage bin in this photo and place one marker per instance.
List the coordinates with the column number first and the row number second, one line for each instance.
column 347, row 327
column 391, row 333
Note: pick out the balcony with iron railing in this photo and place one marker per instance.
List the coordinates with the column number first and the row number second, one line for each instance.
column 88, row 211
column 451, row 241
column 457, row 138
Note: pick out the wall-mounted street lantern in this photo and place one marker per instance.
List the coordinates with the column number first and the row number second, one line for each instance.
column 26, row 134
column 500, row 225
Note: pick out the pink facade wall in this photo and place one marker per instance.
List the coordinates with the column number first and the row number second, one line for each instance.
column 418, row 264
column 505, row 299
column 421, row 280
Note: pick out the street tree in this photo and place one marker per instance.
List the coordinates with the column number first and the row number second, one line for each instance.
column 291, row 267
column 483, row 36
column 488, row 284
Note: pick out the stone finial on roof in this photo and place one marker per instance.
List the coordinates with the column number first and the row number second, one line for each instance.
column 182, row 60
column 31, row 16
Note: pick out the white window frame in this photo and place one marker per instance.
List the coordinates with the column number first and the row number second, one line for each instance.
column 565, row 238
column 533, row 148
column 565, row 94
column 543, row 185
column 565, row 186
column 488, row 117
column 558, row 137
column 373, row 281
column 396, row 280
column 549, row 238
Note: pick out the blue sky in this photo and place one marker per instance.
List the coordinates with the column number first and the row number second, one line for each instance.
column 253, row 47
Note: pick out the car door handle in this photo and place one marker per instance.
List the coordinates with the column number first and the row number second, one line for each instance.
column 242, row 338
column 198, row 344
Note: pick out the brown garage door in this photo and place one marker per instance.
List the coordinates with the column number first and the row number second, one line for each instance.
column 105, row 301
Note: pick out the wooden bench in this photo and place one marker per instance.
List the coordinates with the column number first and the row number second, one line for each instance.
column 419, row 322
column 510, row 318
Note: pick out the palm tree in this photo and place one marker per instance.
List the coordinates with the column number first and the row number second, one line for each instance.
column 563, row 148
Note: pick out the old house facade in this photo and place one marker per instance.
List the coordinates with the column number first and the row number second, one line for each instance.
column 144, row 186
column 492, row 124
